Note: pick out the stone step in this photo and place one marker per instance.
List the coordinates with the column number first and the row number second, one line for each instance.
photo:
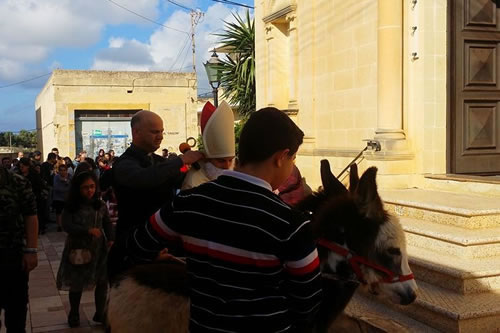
column 464, row 276
column 467, row 184
column 447, row 311
column 461, row 210
column 382, row 317
column 452, row 240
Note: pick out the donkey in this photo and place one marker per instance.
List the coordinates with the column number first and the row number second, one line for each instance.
column 359, row 244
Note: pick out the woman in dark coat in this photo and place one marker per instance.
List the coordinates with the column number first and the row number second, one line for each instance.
column 83, row 264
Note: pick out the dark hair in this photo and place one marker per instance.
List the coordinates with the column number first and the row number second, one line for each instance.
column 101, row 150
column 83, row 167
column 25, row 161
column 267, row 131
column 51, row 156
column 55, row 148
column 75, row 199
column 91, row 162
column 37, row 153
column 68, row 162
column 165, row 149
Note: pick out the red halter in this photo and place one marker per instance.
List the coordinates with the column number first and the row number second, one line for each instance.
column 355, row 261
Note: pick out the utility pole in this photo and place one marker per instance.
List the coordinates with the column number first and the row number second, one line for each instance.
column 196, row 16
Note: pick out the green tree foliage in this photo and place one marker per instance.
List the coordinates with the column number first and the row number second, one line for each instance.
column 22, row 139
column 238, row 69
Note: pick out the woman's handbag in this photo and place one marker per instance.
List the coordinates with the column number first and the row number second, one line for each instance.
column 82, row 256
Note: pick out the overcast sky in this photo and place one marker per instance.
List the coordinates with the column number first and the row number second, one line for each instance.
column 37, row 36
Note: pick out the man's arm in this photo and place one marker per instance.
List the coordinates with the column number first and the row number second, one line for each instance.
column 129, row 173
column 30, row 258
column 28, row 210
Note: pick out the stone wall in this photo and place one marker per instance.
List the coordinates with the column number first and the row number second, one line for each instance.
column 329, row 49
column 170, row 95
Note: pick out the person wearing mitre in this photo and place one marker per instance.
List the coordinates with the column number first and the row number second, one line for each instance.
column 217, row 130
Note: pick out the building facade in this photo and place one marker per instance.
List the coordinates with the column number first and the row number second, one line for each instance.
column 418, row 76
column 421, row 79
column 90, row 110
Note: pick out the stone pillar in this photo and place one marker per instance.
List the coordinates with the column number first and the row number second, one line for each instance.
column 292, row 61
column 390, row 77
column 270, row 70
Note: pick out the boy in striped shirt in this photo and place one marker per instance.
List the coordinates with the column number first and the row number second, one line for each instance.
column 251, row 258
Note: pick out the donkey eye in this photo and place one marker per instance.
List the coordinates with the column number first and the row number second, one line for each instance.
column 394, row 251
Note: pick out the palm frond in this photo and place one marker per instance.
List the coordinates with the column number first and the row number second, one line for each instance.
column 238, row 70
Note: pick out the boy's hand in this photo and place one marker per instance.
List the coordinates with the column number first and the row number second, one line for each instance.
column 163, row 255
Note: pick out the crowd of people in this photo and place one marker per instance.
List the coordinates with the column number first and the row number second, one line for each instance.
column 181, row 193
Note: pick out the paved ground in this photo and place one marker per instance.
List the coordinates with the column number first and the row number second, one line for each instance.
column 49, row 308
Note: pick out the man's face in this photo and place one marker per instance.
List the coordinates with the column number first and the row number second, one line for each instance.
column 164, row 153
column 38, row 157
column 6, row 163
column 149, row 134
column 20, row 154
column 55, row 151
column 223, row 162
column 63, row 172
column 83, row 156
column 24, row 168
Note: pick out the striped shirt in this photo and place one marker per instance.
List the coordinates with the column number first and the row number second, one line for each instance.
column 252, row 262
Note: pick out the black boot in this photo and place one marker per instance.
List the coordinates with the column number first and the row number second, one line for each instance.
column 74, row 313
column 100, row 294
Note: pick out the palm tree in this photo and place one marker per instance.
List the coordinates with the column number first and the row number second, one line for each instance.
column 238, row 69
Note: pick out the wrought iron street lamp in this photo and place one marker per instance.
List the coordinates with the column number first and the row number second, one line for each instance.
column 212, row 66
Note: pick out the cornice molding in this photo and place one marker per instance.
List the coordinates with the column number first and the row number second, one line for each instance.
column 279, row 14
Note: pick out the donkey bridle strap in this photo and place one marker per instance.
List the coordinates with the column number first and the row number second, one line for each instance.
column 355, row 261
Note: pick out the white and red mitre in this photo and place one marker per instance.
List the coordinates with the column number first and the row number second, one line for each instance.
column 217, row 130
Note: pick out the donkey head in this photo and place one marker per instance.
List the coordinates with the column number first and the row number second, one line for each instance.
column 355, row 221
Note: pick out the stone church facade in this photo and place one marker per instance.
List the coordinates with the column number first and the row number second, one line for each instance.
column 420, row 79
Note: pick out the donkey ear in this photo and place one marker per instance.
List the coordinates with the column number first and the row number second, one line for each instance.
column 367, row 196
column 353, row 178
column 331, row 184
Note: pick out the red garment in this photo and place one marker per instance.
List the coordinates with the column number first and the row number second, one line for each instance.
column 292, row 190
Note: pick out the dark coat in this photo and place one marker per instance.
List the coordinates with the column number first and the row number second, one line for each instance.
column 143, row 183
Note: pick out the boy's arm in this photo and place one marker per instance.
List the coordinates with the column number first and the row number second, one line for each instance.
column 303, row 276
column 147, row 240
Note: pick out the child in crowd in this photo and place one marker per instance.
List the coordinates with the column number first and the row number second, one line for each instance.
column 83, row 263
column 251, row 258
